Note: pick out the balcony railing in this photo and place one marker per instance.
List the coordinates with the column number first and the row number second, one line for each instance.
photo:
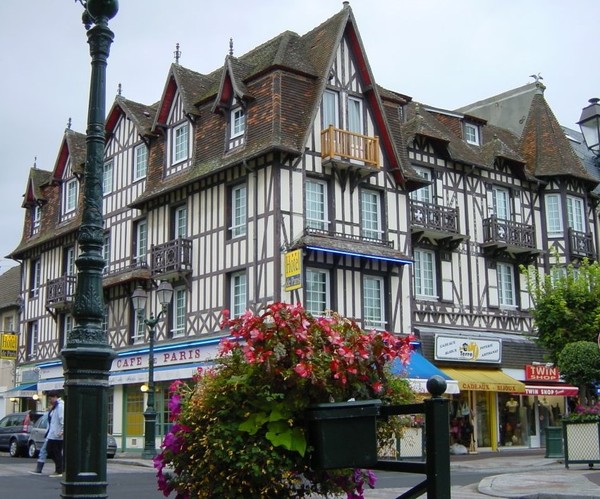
column 350, row 146
column 511, row 233
column 171, row 257
column 433, row 216
column 311, row 231
column 60, row 291
column 580, row 244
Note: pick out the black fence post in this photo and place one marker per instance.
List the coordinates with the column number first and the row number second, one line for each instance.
column 437, row 440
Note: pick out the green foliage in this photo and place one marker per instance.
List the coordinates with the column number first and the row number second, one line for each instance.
column 579, row 362
column 566, row 305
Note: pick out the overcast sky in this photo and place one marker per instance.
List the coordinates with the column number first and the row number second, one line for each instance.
column 445, row 53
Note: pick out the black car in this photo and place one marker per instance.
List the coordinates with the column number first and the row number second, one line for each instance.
column 38, row 435
column 15, row 430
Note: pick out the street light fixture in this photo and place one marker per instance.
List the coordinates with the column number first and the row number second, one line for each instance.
column 139, row 298
column 88, row 356
column 589, row 122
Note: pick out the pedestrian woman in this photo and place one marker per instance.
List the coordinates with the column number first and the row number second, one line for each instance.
column 56, row 429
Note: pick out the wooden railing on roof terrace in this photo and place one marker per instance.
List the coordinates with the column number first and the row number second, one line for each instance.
column 349, row 145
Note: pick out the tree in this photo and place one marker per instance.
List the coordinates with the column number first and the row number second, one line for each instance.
column 566, row 305
column 579, row 364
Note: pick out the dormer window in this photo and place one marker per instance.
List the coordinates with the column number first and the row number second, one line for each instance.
column 70, row 196
column 472, row 134
column 238, row 122
column 180, row 143
column 36, row 218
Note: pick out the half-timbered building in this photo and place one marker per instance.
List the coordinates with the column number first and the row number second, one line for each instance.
column 288, row 174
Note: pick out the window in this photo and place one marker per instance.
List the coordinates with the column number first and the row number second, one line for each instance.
column 355, row 121
column 506, row 285
column 70, row 196
column 424, row 194
column 140, row 160
column 140, row 251
column 238, row 122
column 238, row 294
column 472, row 134
column 180, row 222
column 370, row 211
column 69, row 261
column 575, row 213
column 501, row 204
column 424, row 269
column 179, row 311
column 36, row 216
column 316, row 294
column 107, row 177
column 66, row 329
column 139, row 329
column 373, row 311
column 316, row 204
column 553, row 215
column 180, row 143
column 330, row 109
column 104, row 326
column 35, row 277
column 106, row 251
column 9, row 324
column 32, row 340
column 238, row 211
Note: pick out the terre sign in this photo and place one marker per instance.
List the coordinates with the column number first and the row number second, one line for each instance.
column 462, row 349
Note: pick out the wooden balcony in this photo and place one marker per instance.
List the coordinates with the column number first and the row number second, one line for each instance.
column 60, row 292
column 506, row 235
column 114, row 275
column 171, row 259
column 581, row 245
column 436, row 222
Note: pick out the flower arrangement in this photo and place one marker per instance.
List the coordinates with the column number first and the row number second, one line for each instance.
column 585, row 413
column 239, row 429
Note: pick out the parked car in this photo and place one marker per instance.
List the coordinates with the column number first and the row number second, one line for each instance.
column 15, row 431
column 38, row 434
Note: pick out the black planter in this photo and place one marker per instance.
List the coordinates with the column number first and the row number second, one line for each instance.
column 344, row 434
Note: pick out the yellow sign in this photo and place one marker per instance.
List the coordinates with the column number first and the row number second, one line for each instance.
column 293, row 270
column 8, row 346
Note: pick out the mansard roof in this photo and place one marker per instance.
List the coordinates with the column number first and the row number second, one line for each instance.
column 141, row 115
column 545, row 147
column 34, row 193
column 10, row 288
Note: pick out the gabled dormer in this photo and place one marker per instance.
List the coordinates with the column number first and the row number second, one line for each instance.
column 35, row 198
column 68, row 173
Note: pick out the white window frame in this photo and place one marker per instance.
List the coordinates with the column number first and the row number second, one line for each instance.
column 425, row 193
column 237, row 122
column 501, row 202
column 355, row 115
column 180, row 221
column 316, row 213
column 330, row 105
column 68, row 323
column 107, row 177
column 140, row 162
column 36, row 218
column 70, row 194
column 576, row 213
column 506, row 285
column 472, row 134
column 36, row 277
column 32, row 339
column 239, row 208
column 181, row 143
column 425, row 274
column 554, row 221
column 317, row 291
column 141, row 242
column 106, row 251
column 370, row 214
column 70, row 268
column 179, row 311
column 238, row 293
column 139, row 331
column 373, row 294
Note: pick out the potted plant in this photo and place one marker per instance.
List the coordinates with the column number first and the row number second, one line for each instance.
column 581, row 434
column 244, row 427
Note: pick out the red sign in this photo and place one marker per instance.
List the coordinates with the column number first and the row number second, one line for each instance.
column 541, row 373
column 552, row 390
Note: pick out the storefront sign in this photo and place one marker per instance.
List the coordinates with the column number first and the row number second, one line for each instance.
column 552, row 391
column 460, row 349
column 293, row 270
column 541, row 373
column 8, row 346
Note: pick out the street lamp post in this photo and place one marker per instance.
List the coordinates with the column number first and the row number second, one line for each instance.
column 139, row 298
column 88, row 356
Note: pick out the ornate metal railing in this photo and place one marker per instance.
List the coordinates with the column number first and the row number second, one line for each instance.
column 581, row 244
column 172, row 256
column 60, row 290
column 433, row 216
column 310, row 231
column 511, row 233
column 349, row 145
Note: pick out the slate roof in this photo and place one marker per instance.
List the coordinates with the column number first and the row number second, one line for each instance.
column 141, row 115
column 10, row 288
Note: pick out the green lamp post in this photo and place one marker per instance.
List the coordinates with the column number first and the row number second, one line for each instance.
column 88, row 356
column 138, row 298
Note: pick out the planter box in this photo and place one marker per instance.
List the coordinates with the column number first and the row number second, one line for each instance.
column 582, row 442
column 343, row 435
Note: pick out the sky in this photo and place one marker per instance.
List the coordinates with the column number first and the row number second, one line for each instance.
column 444, row 53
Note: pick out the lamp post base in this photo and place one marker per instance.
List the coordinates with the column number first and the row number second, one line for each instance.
column 149, row 434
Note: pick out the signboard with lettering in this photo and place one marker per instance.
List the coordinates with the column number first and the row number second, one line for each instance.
column 541, row 372
column 9, row 343
column 461, row 349
column 293, row 270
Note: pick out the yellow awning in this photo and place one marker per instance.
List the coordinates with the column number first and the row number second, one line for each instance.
column 484, row 380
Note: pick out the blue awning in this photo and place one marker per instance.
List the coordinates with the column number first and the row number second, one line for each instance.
column 418, row 370
column 24, row 390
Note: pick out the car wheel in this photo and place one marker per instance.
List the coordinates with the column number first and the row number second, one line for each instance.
column 31, row 450
column 13, row 448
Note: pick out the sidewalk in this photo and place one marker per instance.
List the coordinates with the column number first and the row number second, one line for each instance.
column 516, row 473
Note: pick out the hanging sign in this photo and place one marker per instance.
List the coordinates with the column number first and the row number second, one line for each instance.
column 9, row 343
column 461, row 349
column 541, row 372
column 293, row 270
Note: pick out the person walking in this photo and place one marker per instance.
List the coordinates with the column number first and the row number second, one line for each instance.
column 56, row 429
column 41, row 460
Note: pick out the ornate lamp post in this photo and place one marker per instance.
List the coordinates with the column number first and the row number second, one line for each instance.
column 139, row 298
column 88, row 356
column 590, row 126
